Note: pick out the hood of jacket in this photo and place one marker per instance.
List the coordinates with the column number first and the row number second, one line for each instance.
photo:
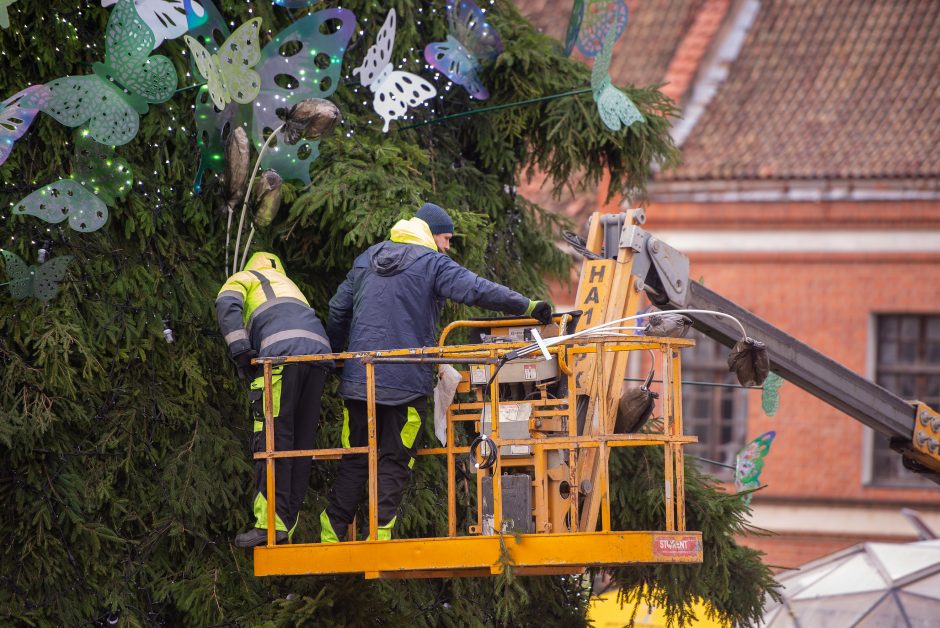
column 414, row 231
column 410, row 240
column 265, row 261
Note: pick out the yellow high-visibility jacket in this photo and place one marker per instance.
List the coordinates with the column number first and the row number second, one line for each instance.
column 260, row 308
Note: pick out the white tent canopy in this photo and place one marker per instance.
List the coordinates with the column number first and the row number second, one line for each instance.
column 872, row 585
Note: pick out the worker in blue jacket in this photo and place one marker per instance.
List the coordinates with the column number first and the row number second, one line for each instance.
column 262, row 313
column 391, row 299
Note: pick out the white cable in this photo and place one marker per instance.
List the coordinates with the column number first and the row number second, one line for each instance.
column 608, row 326
column 712, row 312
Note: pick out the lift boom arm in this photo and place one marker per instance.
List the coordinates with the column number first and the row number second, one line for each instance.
column 914, row 428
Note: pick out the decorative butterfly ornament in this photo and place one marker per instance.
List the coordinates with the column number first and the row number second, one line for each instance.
column 309, row 53
column 229, row 73
column 599, row 18
column 314, row 69
column 470, row 40
column 112, row 99
column 16, row 114
column 65, row 198
column 4, row 15
column 615, row 108
column 166, row 18
column 40, row 281
column 394, row 90
column 750, row 462
column 770, row 394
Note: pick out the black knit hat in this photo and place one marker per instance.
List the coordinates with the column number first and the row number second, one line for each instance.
column 437, row 218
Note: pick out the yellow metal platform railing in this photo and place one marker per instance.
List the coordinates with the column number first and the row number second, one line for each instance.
column 565, row 540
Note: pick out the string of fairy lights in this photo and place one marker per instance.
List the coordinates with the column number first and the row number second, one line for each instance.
column 41, row 240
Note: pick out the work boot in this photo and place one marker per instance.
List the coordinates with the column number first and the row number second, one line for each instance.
column 259, row 536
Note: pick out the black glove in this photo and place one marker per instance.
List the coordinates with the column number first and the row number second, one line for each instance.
column 542, row 312
column 243, row 364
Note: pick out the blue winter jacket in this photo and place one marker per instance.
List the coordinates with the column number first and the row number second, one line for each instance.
column 392, row 299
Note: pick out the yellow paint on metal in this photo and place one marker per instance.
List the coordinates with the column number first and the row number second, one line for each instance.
column 605, row 612
column 403, row 557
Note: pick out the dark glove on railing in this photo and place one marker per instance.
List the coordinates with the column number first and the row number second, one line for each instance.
column 243, row 364
column 542, row 312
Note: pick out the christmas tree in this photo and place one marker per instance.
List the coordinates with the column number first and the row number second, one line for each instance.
column 126, row 473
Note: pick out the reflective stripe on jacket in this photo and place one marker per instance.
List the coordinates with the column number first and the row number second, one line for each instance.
column 392, row 299
column 260, row 308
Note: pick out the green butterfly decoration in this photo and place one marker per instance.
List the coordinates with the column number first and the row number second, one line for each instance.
column 65, row 198
column 100, row 170
column 4, row 15
column 615, row 108
column 112, row 99
column 40, row 281
column 770, row 395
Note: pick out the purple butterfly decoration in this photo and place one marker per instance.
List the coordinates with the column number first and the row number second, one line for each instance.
column 17, row 113
column 601, row 16
column 470, row 40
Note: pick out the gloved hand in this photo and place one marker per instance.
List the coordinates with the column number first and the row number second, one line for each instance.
column 243, row 363
column 540, row 311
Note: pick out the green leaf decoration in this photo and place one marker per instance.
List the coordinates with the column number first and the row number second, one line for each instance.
column 770, row 394
column 100, row 171
column 111, row 99
column 65, row 198
column 41, row 282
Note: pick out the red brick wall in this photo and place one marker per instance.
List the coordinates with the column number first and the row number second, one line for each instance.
column 826, row 301
column 818, row 451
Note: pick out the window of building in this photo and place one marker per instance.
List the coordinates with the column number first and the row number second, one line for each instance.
column 717, row 414
column 907, row 362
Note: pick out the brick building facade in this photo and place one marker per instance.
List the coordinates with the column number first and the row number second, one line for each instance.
column 809, row 193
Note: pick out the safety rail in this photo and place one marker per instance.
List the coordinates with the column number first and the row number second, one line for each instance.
column 561, row 543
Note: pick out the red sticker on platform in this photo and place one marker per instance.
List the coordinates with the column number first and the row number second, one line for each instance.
column 676, row 546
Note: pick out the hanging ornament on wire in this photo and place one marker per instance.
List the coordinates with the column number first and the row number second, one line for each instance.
column 395, row 90
column 122, row 88
column 749, row 463
column 470, row 40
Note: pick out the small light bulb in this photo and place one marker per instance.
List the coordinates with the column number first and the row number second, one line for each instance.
column 167, row 332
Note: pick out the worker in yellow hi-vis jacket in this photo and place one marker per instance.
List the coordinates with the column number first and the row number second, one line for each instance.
column 262, row 313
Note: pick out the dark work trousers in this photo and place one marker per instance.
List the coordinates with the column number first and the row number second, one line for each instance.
column 397, row 430
column 295, row 427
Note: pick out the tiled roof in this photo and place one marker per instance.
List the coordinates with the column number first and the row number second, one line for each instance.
column 825, row 89
column 644, row 51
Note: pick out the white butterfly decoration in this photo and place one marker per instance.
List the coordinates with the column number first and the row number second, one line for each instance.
column 229, row 73
column 166, row 18
column 395, row 90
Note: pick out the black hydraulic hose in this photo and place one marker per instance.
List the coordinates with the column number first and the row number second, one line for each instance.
column 489, row 456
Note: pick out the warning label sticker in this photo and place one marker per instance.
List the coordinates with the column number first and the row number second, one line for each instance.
column 676, row 546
